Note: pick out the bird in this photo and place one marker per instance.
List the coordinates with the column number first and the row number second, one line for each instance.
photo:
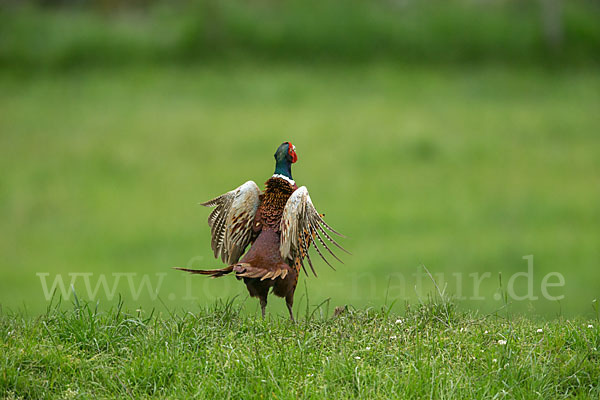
column 279, row 224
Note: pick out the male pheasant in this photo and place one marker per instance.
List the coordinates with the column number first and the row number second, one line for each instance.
column 280, row 224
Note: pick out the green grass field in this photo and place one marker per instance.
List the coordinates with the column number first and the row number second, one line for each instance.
column 463, row 171
column 456, row 144
column 431, row 351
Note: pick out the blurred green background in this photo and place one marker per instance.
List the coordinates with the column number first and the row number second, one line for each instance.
column 459, row 135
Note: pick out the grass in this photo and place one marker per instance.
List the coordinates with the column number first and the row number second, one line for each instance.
column 430, row 351
column 463, row 170
column 432, row 134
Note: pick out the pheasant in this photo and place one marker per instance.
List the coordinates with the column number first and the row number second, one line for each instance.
column 279, row 224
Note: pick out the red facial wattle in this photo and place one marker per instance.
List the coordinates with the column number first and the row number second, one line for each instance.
column 292, row 152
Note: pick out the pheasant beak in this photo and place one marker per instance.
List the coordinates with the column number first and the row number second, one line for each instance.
column 292, row 152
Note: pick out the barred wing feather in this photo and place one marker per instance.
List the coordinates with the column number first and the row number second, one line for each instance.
column 230, row 222
column 301, row 226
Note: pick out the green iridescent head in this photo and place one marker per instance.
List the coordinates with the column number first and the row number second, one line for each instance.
column 285, row 156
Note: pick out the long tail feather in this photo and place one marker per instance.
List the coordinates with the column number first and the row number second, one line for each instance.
column 215, row 273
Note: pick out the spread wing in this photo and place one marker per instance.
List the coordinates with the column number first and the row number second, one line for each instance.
column 301, row 226
column 231, row 221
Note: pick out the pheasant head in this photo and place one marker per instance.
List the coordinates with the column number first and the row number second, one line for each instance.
column 285, row 156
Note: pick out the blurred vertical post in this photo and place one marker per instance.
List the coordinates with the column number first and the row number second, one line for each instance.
column 552, row 23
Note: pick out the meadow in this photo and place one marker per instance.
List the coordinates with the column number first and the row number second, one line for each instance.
column 464, row 171
column 454, row 142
